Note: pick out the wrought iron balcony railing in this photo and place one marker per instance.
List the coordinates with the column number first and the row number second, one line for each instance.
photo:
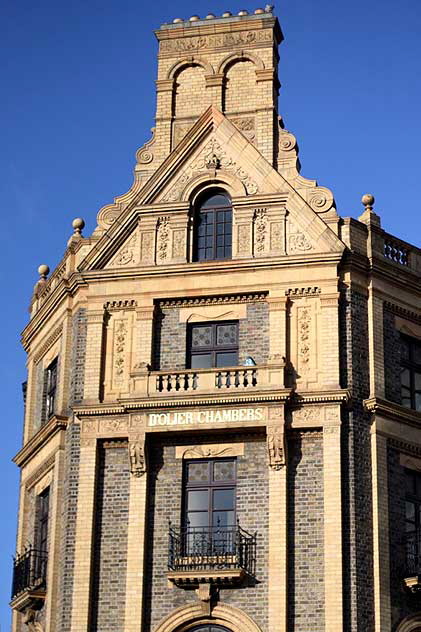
column 413, row 554
column 212, row 549
column 29, row 571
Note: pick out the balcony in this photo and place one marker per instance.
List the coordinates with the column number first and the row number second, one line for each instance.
column 412, row 579
column 29, row 578
column 227, row 380
column 215, row 555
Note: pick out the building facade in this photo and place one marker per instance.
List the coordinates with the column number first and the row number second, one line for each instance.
column 223, row 407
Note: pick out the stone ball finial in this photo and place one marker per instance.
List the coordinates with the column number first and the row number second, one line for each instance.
column 259, row 11
column 177, row 20
column 243, row 12
column 43, row 270
column 367, row 200
column 210, row 16
column 194, row 18
column 78, row 225
column 227, row 14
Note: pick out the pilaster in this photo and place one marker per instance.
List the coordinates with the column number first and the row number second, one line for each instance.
column 94, row 344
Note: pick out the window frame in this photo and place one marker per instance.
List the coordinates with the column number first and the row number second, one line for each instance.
column 210, row 485
column 51, row 375
column 213, row 349
column 414, row 368
column 199, row 211
column 42, row 520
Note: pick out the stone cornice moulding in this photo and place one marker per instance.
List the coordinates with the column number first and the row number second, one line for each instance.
column 393, row 411
column 46, row 346
column 403, row 312
column 56, row 424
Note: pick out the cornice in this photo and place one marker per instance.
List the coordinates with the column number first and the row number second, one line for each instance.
column 339, row 396
column 403, row 312
column 44, row 434
column 251, row 297
column 393, row 411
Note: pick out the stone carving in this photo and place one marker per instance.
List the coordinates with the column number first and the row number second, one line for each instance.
column 128, row 303
column 303, row 291
column 179, row 244
column 89, row 427
column 114, row 425
column 120, row 335
column 136, row 421
column 179, row 131
column 276, row 447
column 287, row 141
column 304, row 323
column 214, row 300
column 320, row 199
column 223, row 40
column 298, row 242
column 260, row 229
column 147, row 244
column 127, row 254
column 277, row 237
column 31, row 618
column 137, row 458
column 246, row 126
column 144, row 155
column 212, row 155
column 163, row 237
column 206, row 452
column 243, row 245
column 307, row 413
column 87, row 443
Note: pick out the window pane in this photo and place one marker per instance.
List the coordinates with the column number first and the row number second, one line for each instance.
column 197, row 519
column 418, row 401
column 224, row 471
column 404, row 349
column 217, row 199
column 197, row 500
column 410, row 511
column 198, row 472
column 405, row 377
column 417, row 381
column 223, row 518
column 223, row 499
column 201, row 337
column 227, row 358
column 226, row 335
column 416, row 353
column 201, row 361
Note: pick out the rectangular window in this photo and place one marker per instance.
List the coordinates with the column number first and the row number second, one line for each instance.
column 42, row 512
column 212, row 345
column 411, row 373
column 51, row 388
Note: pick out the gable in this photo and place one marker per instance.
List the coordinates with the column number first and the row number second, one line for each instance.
column 274, row 214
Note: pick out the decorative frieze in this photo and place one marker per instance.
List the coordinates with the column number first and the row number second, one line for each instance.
column 213, row 300
column 260, row 223
column 119, row 363
column 304, row 350
column 163, row 239
column 222, row 40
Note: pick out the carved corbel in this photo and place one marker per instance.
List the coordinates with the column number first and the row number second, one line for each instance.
column 276, row 440
column 31, row 618
column 208, row 595
column 137, row 458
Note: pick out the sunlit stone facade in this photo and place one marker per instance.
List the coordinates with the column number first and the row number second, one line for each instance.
column 223, row 408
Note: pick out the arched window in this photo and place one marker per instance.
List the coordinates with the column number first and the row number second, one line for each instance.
column 209, row 628
column 213, row 227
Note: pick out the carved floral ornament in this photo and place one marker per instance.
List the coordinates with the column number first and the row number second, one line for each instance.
column 212, row 156
column 223, row 40
column 163, row 239
column 260, row 229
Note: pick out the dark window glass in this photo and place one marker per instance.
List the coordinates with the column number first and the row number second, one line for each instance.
column 413, row 521
column 209, row 628
column 42, row 511
column 411, row 373
column 212, row 345
column 209, row 493
column 213, row 228
column 51, row 388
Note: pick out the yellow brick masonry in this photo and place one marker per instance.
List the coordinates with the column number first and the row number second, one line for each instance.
column 84, row 536
column 332, row 526
column 95, row 327
column 380, row 532
column 278, row 550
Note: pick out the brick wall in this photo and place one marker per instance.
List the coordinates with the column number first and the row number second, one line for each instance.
column 170, row 337
column 401, row 604
column 164, row 496
column 68, row 522
column 110, row 540
column 392, row 358
column 77, row 371
column 356, row 473
column 190, row 97
column 240, row 92
column 305, row 534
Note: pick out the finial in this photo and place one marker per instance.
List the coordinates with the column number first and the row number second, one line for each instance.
column 369, row 217
column 43, row 271
column 177, row 20
column 259, row 11
column 78, row 225
column 269, row 8
column 210, row 16
column 368, row 201
column 227, row 14
column 194, row 18
column 243, row 12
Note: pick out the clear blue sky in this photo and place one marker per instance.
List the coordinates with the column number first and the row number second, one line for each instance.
column 78, row 100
